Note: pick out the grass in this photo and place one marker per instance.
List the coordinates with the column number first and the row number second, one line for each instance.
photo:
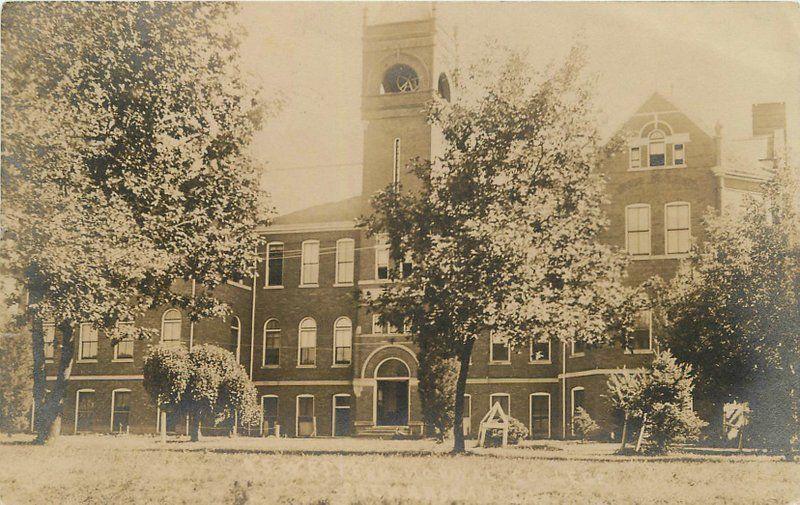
column 137, row 469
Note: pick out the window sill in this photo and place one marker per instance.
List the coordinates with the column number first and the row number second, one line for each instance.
column 343, row 285
column 308, row 286
column 48, row 360
column 87, row 360
column 273, row 287
column 650, row 257
column 373, row 282
column 578, row 355
column 306, row 366
column 341, row 365
column 270, row 366
column 122, row 360
column 499, row 362
column 642, row 351
column 655, row 168
column 540, row 362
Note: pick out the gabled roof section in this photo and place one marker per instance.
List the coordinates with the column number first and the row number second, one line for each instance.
column 656, row 102
column 343, row 210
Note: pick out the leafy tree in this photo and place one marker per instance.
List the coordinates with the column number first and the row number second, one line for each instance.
column 125, row 166
column 15, row 365
column 204, row 383
column 583, row 425
column 503, row 232
column 733, row 310
column 437, row 390
column 625, row 394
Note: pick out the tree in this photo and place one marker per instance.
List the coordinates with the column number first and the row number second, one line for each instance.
column 503, row 234
column 205, row 383
column 437, row 391
column 625, row 394
column 125, row 167
column 583, row 425
column 733, row 310
column 15, row 366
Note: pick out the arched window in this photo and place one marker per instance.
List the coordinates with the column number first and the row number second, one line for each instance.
column 272, row 343
column 400, row 78
column 392, row 368
column 342, row 341
column 171, row 327
column 577, row 395
column 307, row 343
column 656, row 149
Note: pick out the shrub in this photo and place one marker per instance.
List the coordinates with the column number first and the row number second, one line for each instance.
column 437, row 390
column 516, row 432
column 583, row 425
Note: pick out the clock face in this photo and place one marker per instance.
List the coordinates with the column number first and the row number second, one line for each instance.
column 400, row 78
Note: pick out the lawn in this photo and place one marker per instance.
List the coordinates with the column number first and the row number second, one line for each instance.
column 132, row 470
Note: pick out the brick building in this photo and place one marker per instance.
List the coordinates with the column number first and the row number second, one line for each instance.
column 323, row 365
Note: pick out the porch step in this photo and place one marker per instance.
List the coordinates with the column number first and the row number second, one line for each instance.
column 384, row 432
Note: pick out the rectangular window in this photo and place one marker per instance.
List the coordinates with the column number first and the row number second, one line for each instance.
column 642, row 331
column 120, row 415
column 679, row 154
column 49, row 331
column 269, row 407
column 84, row 411
column 657, row 153
column 275, row 264
column 540, row 351
column 503, row 399
column 310, row 269
column 636, row 157
column 540, row 416
column 124, row 348
column 499, row 352
column 308, row 347
column 578, row 348
column 345, row 260
column 306, row 423
column 407, row 266
column 381, row 260
column 678, row 228
column 467, row 422
column 88, row 342
column 637, row 229
column 344, row 346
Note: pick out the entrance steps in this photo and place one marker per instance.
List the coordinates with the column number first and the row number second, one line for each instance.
column 384, row 432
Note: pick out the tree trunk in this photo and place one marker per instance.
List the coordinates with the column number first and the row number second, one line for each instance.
column 49, row 425
column 461, row 387
column 624, row 433
column 39, row 373
column 195, row 432
column 163, row 425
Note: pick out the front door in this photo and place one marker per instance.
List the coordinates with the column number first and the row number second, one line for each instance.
column 392, row 409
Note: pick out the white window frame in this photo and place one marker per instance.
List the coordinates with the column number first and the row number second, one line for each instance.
column 674, row 150
column 277, row 412
column 297, row 414
column 333, row 410
column 635, row 163
column 78, row 404
column 549, row 359
column 339, row 281
column 382, row 245
column 651, row 142
column 493, row 361
column 114, row 403
column 238, row 327
column 649, row 349
column 667, row 229
column 549, row 413
column 303, row 264
column 264, row 333
column 467, row 421
column 507, row 395
column 49, row 329
column 300, row 347
column 572, row 407
column 572, row 353
column 649, row 229
column 336, row 341
column 267, row 285
column 116, row 358
column 81, row 357
column 164, row 320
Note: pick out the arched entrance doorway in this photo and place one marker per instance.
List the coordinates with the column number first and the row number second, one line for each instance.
column 392, row 399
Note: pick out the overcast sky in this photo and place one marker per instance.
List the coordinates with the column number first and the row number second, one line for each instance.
column 712, row 59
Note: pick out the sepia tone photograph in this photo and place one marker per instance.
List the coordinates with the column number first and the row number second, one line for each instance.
column 399, row 253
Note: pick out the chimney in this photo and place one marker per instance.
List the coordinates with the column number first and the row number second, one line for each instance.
column 769, row 119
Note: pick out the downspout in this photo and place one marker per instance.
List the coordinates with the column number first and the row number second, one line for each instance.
column 563, row 390
column 253, row 315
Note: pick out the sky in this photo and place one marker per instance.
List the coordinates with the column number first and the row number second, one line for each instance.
column 713, row 60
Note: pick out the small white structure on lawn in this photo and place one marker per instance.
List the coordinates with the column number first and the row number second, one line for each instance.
column 495, row 418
